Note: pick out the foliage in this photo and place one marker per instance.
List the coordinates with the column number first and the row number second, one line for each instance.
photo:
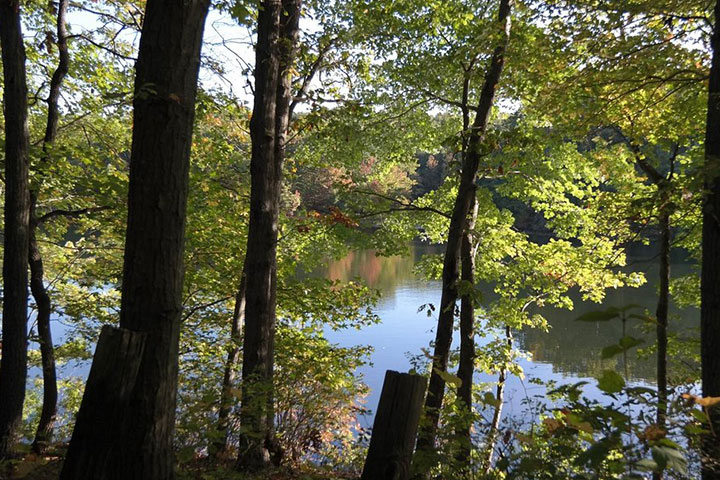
column 592, row 90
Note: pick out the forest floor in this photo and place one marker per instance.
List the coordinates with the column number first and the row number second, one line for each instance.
column 47, row 467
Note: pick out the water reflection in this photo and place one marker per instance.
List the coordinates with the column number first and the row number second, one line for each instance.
column 381, row 273
column 569, row 348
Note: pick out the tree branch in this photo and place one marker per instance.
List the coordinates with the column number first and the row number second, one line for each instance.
column 71, row 213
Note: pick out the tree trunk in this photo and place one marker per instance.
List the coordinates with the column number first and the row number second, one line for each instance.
column 13, row 364
column 664, row 186
column 710, row 281
column 221, row 443
column 466, row 367
column 662, row 315
column 396, row 421
column 46, row 426
column 164, row 110
column 106, row 413
column 497, row 414
column 451, row 263
column 278, row 29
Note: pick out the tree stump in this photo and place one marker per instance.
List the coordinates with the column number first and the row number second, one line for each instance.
column 395, row 426
column 108, row 390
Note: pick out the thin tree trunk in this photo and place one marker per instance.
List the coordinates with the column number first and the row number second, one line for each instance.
column 13, row 364
column 664, row 186
column 46, row 426
column 164, row 109
column 451, row 263
column 710, row 281
column 278, row 29
column 466, row 367
column 227, row 397
column 662, row 315
column 497, row 414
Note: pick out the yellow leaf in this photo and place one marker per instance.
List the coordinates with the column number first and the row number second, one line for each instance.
column 552, row 425
column 706, row 402
column 585, row 427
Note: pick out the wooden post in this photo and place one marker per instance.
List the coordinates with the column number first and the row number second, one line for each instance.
column 109, row 386
column 396, row 423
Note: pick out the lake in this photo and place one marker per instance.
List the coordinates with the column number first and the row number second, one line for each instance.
column 567, row 353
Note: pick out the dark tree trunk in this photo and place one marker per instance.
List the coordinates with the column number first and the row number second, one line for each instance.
column 221, row 443
column 710, row 281
column 106, row 414
column 664, row 188
column 13, row 365
column 396, row 421
column 164, row 109
column 46, row 426
column 662, row 314
column 466, row 367
column 451, row 263
column 278, row 29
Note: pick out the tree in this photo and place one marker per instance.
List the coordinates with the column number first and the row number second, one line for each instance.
column 277, row 34
column 46, row 424
column 13, row 365
column 458, row 226
column 140, row 444
column 710, row 280
column 639, row 91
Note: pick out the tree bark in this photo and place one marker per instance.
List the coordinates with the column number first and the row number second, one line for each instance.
column 396, row 421
column 710, row 280
column 221, row 443
column 164, row 109
column 278, row 29
column 662, row 314
column 105, row 414
column 451, row 263
column 497, row 414
column 466, row 367
column 13, row 364
column 664, row 186
column 46, row 426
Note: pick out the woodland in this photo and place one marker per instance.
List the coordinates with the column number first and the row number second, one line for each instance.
column 171, row 168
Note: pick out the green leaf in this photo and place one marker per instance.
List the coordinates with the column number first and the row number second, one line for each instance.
column 630, row 342
column 699, row 415
column 625, row 344
column 241, row 12
column 490, row 399
column 449, row 377
column 611, row 350
column 695, row 430
column 641, row 391
column 647, row 465
column 671, row 458
column 610, row 382
column 596, row 453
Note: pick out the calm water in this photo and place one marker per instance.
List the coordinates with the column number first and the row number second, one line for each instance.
column 569, row 352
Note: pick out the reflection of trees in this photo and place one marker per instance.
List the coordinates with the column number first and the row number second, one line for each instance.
column 571, row 347
column 574, row 347
column 381, row 273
